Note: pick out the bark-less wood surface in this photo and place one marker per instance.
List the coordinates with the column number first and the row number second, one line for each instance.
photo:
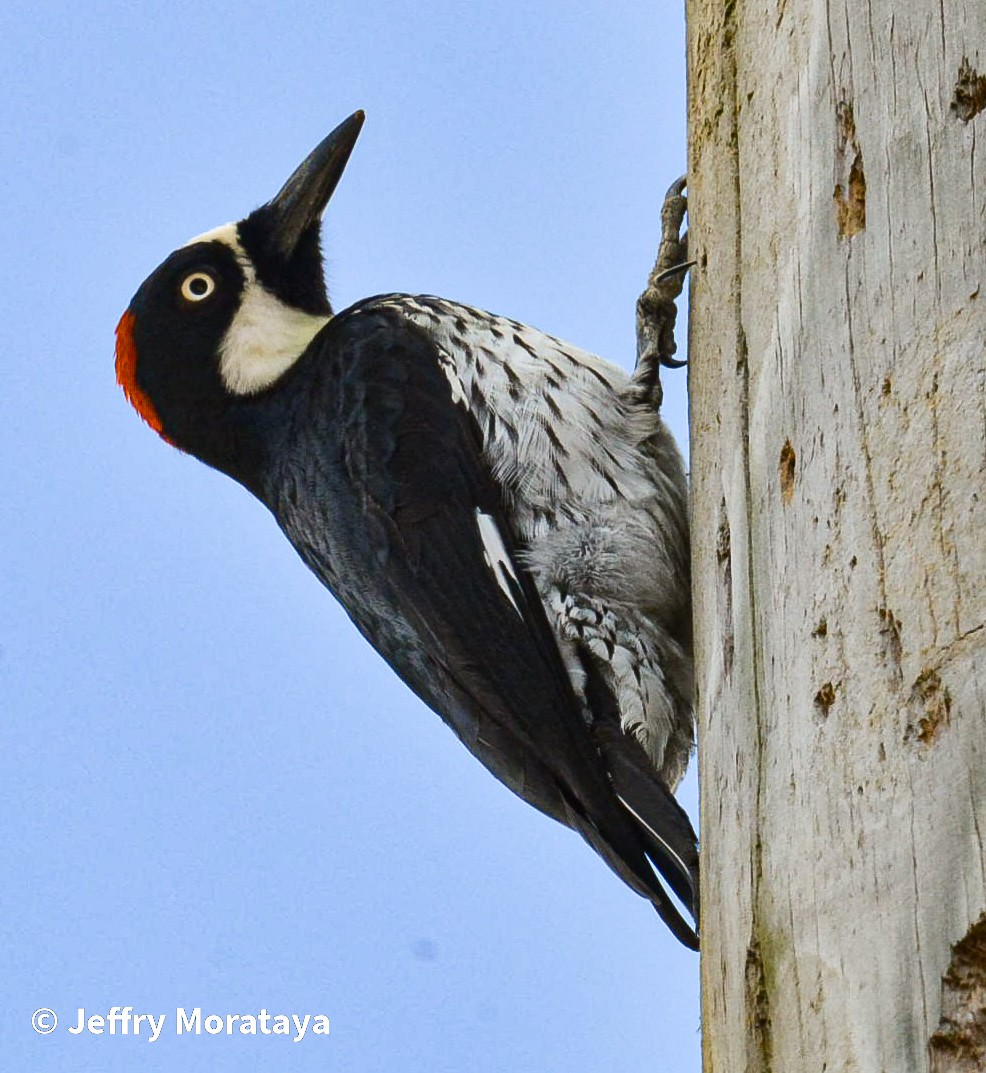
column 838, row 328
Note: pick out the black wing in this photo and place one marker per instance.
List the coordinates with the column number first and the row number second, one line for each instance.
column 421, row 557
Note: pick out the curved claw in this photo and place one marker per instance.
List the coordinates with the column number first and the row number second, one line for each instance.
column 677, row 188
column 673, row 271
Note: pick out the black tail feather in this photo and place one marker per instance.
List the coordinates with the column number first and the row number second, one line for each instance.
column 664, row 841
column 635, row 870
column 664, row 825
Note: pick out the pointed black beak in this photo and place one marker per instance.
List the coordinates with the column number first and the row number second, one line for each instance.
column 302, row 200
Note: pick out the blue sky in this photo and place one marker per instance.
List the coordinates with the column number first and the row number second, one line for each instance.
column 215, row 794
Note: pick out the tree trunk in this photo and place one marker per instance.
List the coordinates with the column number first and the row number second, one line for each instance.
column 838, row 391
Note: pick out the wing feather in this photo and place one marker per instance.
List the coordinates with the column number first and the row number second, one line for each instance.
column 438, row 588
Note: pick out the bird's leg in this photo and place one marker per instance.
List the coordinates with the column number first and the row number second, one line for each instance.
column 656, row 309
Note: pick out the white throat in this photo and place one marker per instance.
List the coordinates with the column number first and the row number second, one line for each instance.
column 266, row 338
column 267, row 335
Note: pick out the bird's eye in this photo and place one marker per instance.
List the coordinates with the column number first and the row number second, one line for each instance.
column 197, row 286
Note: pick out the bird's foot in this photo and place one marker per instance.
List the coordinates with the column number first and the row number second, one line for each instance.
column 656, row 310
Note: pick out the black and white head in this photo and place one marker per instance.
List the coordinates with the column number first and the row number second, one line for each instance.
column 225, row 316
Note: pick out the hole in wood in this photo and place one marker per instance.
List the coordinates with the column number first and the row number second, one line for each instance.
column 786, row 468
column 959, row 1044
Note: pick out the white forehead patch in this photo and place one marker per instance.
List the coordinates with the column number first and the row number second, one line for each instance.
column 267, row 335
column 224, row 233
column 495, row 554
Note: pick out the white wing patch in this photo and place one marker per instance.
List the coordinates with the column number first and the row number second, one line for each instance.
column 267, row 336
column 495, row 554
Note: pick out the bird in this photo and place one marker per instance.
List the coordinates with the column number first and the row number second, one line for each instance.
column 503, row 516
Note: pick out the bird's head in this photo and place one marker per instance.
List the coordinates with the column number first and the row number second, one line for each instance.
column 226, row 315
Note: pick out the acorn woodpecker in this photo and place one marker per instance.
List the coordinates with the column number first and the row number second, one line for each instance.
column 502, row 515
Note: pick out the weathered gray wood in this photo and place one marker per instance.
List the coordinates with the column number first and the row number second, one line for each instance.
column 837, row 195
